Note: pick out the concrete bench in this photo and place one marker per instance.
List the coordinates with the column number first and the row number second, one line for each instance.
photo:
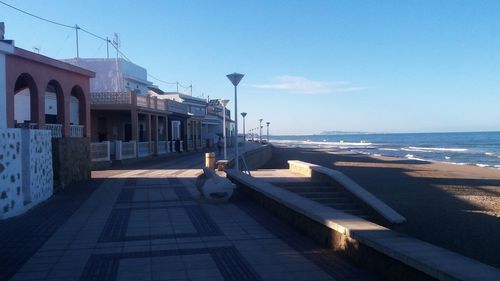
column 213, row 187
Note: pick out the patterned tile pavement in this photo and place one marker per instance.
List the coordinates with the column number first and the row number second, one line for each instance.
column 148, row 223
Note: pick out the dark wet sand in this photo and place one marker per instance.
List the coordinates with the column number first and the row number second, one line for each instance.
column 455, row 207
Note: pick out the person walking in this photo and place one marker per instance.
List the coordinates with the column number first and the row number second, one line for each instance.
column 220, row 145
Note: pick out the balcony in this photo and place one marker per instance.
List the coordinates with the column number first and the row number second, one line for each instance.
column 132, row 99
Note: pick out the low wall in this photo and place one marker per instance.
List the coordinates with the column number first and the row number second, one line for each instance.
column 26, row 175
column 71, row 161
column 391, row 254
column 255, row 158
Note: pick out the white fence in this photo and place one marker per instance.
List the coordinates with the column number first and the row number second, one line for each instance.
column 162, row 147
column 129, row 150
column 143, row 149
column 100, row 151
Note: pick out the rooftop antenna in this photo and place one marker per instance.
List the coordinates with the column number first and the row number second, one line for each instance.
column 37, row 49
column 117, row 42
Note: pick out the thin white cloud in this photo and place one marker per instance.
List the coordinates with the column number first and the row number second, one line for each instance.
column 302, row 85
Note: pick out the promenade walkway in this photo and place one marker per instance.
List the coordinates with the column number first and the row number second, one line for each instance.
column 147, row 222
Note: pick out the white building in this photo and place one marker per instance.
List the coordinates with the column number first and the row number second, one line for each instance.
column 5, row 48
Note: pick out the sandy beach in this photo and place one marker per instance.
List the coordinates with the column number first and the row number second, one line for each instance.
column 452, row 206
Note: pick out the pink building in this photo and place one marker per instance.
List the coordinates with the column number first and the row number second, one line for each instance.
column 45, row 93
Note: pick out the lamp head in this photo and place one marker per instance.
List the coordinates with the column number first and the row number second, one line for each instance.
column 235, row 78
column 224, row 102
column 243, row 114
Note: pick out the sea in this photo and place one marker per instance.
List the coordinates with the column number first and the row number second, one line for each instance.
column 473, row 148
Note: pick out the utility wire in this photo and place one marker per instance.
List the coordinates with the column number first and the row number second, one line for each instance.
column 95, row 35
column 38, row 17
column 159, row 80
column 92, row 34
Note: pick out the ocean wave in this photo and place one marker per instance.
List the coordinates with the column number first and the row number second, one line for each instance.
column 433, row 149
column 413, row 157
column 324, row 143
column 389, row 149
column 482, row 165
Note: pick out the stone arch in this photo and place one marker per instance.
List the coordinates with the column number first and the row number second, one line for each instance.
column 25, row 91
column 78, row 93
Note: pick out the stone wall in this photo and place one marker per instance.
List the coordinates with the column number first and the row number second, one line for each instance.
column 37, row 166
column 25, row 170
column 71, row 161
column 11, row 195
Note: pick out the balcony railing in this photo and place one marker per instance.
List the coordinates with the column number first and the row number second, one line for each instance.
column 142, row 101
column 76, row 131
column 113, row 98
column 26, row 125
column 55, row 130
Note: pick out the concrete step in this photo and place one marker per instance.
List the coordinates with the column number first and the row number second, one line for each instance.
column 340, row 206
column 311, row 189
column 312, row 194
column 300, row 183
column 331, row 200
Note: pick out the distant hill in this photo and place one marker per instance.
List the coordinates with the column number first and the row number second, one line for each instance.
column 341, row 133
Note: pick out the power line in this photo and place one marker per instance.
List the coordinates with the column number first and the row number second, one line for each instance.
column 77, row 27
column 38, row 17
column 93, row 34
column 159, row 80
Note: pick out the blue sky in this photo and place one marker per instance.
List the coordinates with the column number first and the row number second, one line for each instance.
column 310, row 66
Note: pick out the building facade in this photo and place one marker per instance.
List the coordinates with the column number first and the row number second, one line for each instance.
column 130, row 117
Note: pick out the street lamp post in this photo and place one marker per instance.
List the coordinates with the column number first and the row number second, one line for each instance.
column 235, row 79
column 260, row 126
column 267, row 123
column 224, row 103
column 244, row 114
